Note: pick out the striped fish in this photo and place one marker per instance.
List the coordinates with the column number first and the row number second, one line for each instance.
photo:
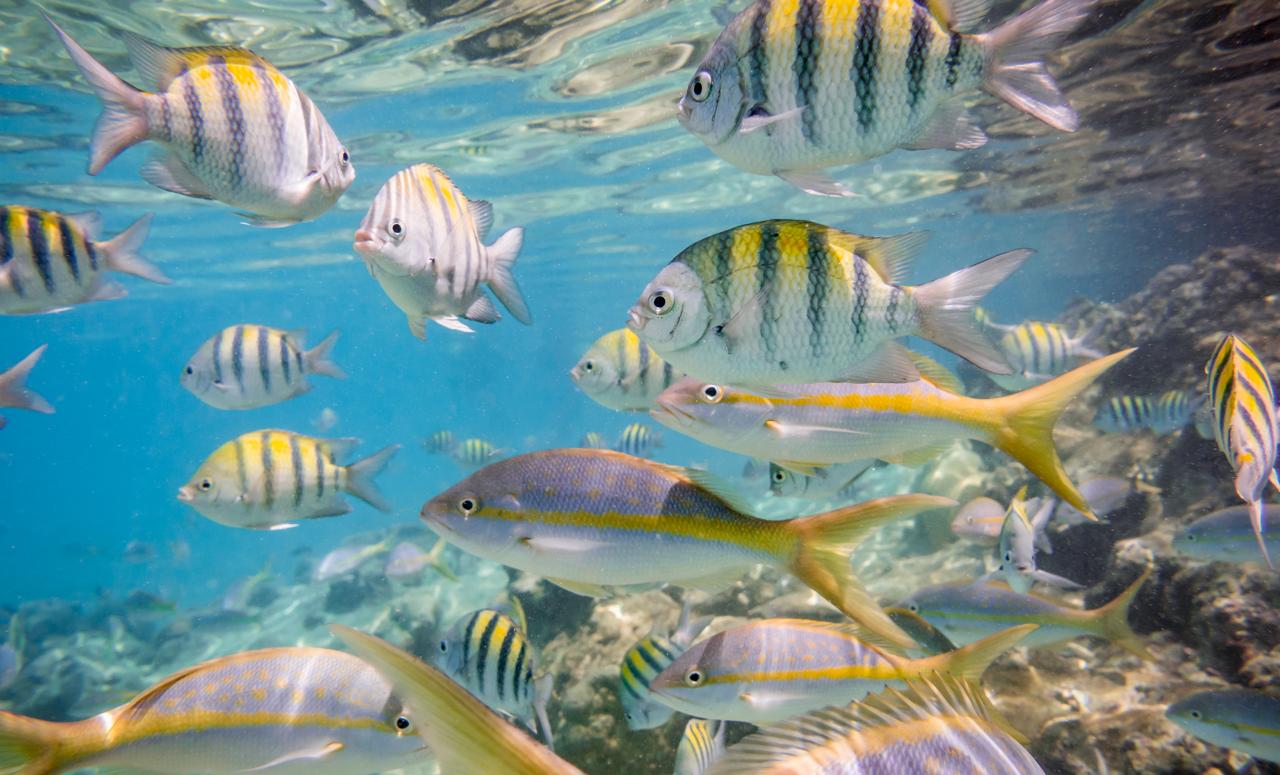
column 593, row 440
column 14, row 392
column 280, row 710
column 50, row 261
column 834, row 481
column 266, row 479
column 700, row 745
column 441, row 442
column 232, row 128
column 620, row 372
column 638, row 439
column 804, row 427
column 489, row 653
column 1246, row 423
column 933, row 724
column 423, row 241
column 1019, row 541
column 250, row 366
column 1037, row 352
column 769, row 670
column 792, row 87
column 643, row 662
column 794, row 301
column 470, row 454
column 593, row 519
column 1161, row 414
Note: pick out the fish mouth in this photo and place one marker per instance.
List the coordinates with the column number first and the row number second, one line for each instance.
column 575, row 374
column 186, row 494
column 636, row 321
column 365, row 243
column 683, row 113
column 667, row 408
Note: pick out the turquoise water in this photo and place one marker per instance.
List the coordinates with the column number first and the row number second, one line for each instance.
column 568, row 128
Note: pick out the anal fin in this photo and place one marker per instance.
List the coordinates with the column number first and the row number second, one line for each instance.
column 951, row 128
column 169, row 173
column 815, row 182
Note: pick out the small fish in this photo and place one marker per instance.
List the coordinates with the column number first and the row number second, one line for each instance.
column 250, row 366
column 767, row 671
column 1161, row 414
column 980, row 521
column 802, row 427
column 638, row 439
column 441, row 442
column 346, row 559
column 1037, row 351
column 1016, row 553
column 1244, row 720
column 139, row 553
column 935, row 723
column 285, row 710
column 50, row 261
column 423, row 241
column 265, row 479
column 823, row 484
column 142, row 601
column 326, row 420
column 592, row 519
column 620, row 372
column 1227, row 535
column 239, row 594
column 643, row 662
column 791, row 89
column 406, row 560
column 471, row 454
column 796, row 302
column 1246, row 424
column 966, row 613
column 1105, row 495
column 930, row 639
column 489, row 653
column 593, row 440
column 230, row 125
column 700, row 746
column 14, row 392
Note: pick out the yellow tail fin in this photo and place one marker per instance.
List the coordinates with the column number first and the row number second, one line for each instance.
column 970, row 662
column 824, row 543
column 1112, row 620
column 30, row 746
column 1027, row 418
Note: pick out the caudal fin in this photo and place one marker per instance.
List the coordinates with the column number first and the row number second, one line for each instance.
column 318, row 362
column 30, row 746
column 13, row 385
column 1112, row 620
column 824, row 543
column 1025, row 426
column 1015, row 53
column 946, row 310
column 360, row 477
column 124, row 118
column 970, row 662
column 503, row 282
column 122, row 252
column 466, row 737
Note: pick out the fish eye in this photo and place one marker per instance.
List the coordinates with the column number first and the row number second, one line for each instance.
column 190, row 371
column 588, row 366
column 712, row 395
column 913, row 608
column 779, row 476
column 444, row 646
column 346, row 158
column 397, row 230
column 693, row 678
column 468, row 506
column 206, row 485
column 660, row 302
column 1008, row 556
column 1195, row 714
column 403, row 723
column 700, row 86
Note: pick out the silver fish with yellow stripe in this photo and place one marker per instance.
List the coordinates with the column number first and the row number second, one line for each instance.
column 1037, row 351
column 14, row 392
column 282, row 711
column 700, row 745
column 794, row 301
column 589, row 520
column 50, row 261
column 793, row 87
column 250, row 366
column 766, row 671
column 1245, row 720
column 621, row 372
column 423, row 241
column 1246, row 423
column 232, row 128
column 265, row 480
column 489, row 653
column 643, row 662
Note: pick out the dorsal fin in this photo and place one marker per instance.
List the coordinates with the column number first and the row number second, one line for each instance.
column 482, row 214
column 960, row 15
column 159, row 64
column 890, row 257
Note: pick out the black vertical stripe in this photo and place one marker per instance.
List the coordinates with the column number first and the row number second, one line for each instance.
column 642, row 367
column 297, row 358
column 758, row 54
column 285, row 366
column 93, row 253
column 482, row 652
column 466, row 640
column 891, row 312
column 859, row 318
column 517, row 688
column 866, row 49
column 504, row 653
column 805, row 66
column 268, row 471
column 275, row 114
column 723, row 260
column 166, row 118
column 296, row 453
column 667, row 375
column 264, row 358
column 952, row 61
column 217, row 358
column 235, row 116
column 766, row 274
column 917, row 53
column 645, row 650
column 68, row 239
column 819, row 269
column 39, row 248
column 622, row 358
column 237, row 356
column 6, row 242
column 319, row 472
column 192, row 101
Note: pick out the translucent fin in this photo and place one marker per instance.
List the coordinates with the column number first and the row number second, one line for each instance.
column 960, row 15
column 816, row 182
column 318, row 358
column 418, row 327
column 542, row 687
column 502, row 281
column 890, row 362
column 13, row 385
column 950, row 128
column 890, row 257
column 482, row 311
column 30, row 746
column 586, row 589
column 724, row 490
column 758, row 119
column 90, row 222
column 167, row 172
column 122, row 252
column 360, row 477
column 317, row 755
column 450, row 322
column 159, row 65
column 482, row 214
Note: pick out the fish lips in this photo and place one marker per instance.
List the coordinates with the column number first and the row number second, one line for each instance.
column 186, row 494
column 366, row 244
column 636, row 320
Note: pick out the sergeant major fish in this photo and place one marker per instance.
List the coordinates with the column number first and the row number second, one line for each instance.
column 643, row 662
column 470, row 454
column 827, row 482
column 232, row 128
column 250, row 366
column 1163, row 413
column 283, row 711
column 1037, row 351
column 13, row 386
column 50, row 261
column 422, row 240
column 790, row 89
column 638, row 439
column 700, row 745
column 264, row 480
column 795, row 302
column 591, row 519
column 618, row 371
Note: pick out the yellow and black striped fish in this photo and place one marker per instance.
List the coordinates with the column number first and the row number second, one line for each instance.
column 638, row 439
column 1037, row 351
column 621, row 372
column 489, row 653
column 50, row 261
column 248, row 366
column 792, row 87
column 1163, row 413
column 700, row 745
column 1246, row 423
column 265, row 480
column 441, row 442
column 471, row 454
column 593, row 440
column 232, row 126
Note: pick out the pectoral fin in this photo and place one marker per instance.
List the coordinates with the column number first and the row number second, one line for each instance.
column 452, row 323
column 815, row 182
column 304, row 755
column 759, row 118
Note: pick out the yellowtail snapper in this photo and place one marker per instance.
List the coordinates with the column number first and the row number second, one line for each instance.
column 794, row 301
column 1244, row 720
column 1227, row 535
column 700, row 745
column 250, row 366
column 14, row 392
column 592, row 519
column 793, row 88
column 618, row 371
column 232, row 128
column 643, row 662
